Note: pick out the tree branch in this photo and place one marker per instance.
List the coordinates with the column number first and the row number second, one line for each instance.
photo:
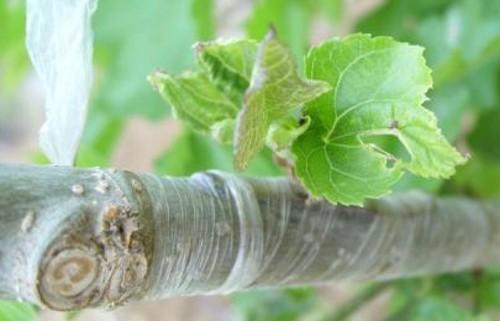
column 72, row 238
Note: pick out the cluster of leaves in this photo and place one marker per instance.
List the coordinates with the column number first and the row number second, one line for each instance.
column 355, row 89
column 161, row 34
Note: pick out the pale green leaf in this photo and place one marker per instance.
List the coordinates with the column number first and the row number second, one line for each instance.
column 275, row 90
column 379, row 88
column 195, row 99
column 229, row 64
column 209, row 101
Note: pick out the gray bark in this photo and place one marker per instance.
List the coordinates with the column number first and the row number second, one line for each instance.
column 73, row 238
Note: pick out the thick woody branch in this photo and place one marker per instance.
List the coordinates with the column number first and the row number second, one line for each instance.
column 73, row 238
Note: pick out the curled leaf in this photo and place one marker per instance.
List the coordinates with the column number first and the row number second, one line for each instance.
column 275, row 90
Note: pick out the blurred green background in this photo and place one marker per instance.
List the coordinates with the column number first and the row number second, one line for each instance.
column 130, row 126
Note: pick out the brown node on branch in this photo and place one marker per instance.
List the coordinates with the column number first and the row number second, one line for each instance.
column 99, row 259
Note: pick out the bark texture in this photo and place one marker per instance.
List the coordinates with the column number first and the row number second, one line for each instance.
column 73, row 238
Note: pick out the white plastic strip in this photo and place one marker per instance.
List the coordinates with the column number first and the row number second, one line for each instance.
column 59, row 41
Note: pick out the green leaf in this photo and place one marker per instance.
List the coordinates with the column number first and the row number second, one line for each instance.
column 379, row 88
column 229, row 63
column 16, row 311
column 209, row 100
column 275, row 90
column 195, row 99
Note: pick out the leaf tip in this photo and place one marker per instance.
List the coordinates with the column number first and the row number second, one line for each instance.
column 199, row 47
column 157, row 78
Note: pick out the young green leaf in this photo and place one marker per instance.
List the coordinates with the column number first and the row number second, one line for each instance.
column 195, row 99
column 229, row 64
column 379, row 88
column 275, row 90
column 209, row 100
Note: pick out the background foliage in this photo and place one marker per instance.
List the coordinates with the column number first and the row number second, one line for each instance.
column 462, row 41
